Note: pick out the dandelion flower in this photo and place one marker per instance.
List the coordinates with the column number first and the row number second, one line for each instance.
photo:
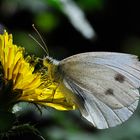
column 20, row 81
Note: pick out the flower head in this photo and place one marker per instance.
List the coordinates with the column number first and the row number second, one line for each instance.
column 20, row 81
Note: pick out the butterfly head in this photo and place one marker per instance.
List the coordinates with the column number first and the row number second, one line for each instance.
column 50, row 61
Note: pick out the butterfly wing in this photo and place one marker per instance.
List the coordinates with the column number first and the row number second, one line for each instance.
column 108, row 84
column 98, row 113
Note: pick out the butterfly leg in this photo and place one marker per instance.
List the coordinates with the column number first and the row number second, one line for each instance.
column 54, row 92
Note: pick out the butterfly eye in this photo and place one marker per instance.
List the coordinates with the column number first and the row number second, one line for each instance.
column 46, row 62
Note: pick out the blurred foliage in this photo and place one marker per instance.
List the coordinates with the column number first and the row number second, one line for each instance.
column 46, row 21
column 55, row 125
column 117, row 29
column 91, row 4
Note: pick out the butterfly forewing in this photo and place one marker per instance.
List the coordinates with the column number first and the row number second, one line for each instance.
column 108, row 83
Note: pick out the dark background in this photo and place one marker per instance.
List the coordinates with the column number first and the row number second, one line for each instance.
column 117, row 28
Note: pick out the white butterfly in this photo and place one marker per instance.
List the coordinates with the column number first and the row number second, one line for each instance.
column 105, row 85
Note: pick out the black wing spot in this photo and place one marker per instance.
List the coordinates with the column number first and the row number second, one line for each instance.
column 120, row 78
column 109, row 92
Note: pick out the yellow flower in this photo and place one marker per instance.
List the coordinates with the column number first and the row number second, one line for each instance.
column 27, row 84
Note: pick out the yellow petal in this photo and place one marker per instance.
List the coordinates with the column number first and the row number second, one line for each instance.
column 35, row 88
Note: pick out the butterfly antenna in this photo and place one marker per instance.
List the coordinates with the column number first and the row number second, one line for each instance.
column 39, row 44
column 44, row 44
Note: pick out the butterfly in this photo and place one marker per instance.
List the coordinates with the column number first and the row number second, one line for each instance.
column 104, row 85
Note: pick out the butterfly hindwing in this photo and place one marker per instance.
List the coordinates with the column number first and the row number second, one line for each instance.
column 98, row 113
